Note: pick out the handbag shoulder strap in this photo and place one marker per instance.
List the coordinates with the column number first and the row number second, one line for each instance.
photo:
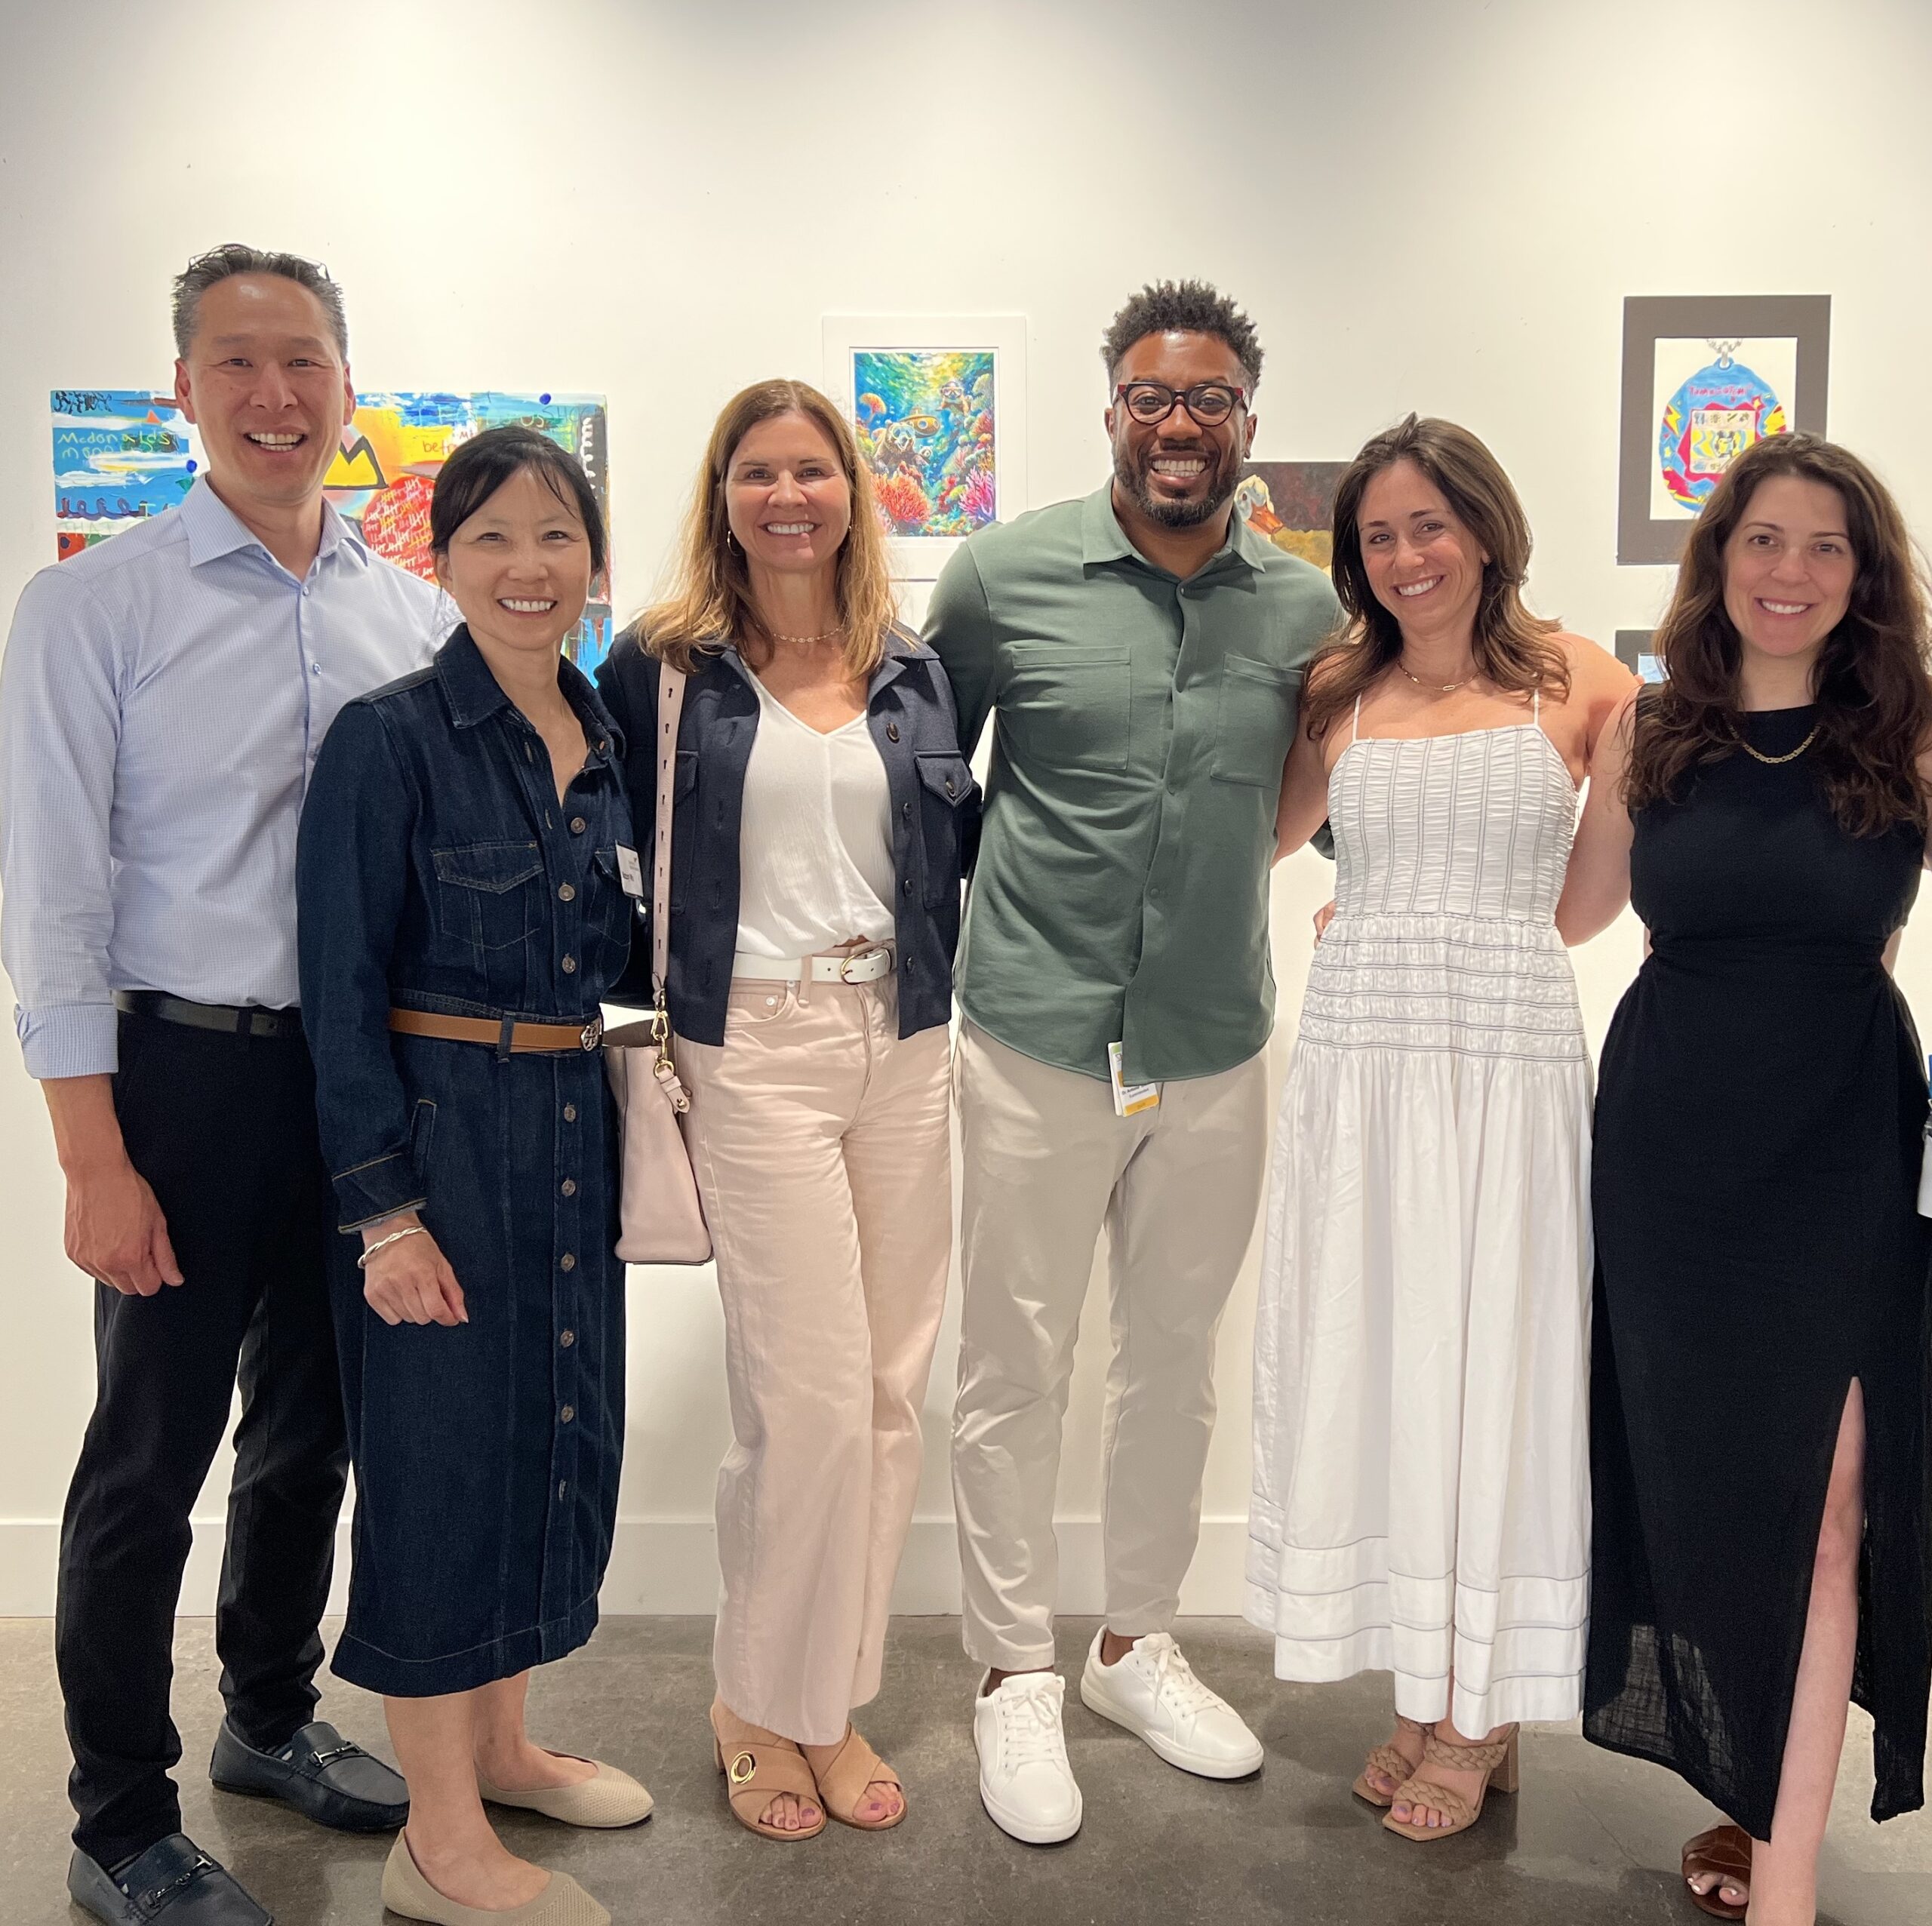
column 670, row 707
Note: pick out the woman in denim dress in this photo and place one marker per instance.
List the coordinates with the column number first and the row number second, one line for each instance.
column 462, row 913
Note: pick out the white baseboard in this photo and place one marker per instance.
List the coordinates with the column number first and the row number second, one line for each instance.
column 659, row 1566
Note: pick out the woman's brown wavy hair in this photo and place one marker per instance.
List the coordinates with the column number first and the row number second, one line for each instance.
column 1512, row 647
column 708, row 602
column 1871, row 685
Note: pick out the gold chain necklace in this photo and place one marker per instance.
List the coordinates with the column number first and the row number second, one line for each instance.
column 805, row 641
column 1441, row 688
column 1790, row 756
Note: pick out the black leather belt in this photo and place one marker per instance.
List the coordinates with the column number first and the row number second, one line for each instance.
column 209, row 1016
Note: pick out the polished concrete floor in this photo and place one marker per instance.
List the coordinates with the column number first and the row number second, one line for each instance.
column 1591, row 1839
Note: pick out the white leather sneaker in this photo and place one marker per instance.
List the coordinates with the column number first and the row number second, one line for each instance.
column 1153, row 1692
column 1025, row 1784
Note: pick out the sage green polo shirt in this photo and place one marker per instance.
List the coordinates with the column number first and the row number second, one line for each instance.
column 1141, row 724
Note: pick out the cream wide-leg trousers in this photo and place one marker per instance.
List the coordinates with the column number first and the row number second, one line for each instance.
column 1045, row 1163
column 821, row 1145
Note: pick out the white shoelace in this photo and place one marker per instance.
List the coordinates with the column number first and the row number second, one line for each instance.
column 1029, row 1721
column 1174, row 1682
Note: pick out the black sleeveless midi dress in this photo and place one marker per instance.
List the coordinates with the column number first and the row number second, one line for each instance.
column 1757, row 1143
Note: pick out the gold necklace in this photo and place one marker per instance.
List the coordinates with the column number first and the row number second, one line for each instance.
column 1441, row 688
column 806, row 642
column 1789, row 756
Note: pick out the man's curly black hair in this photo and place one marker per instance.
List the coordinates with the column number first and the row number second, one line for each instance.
column 1189, row 307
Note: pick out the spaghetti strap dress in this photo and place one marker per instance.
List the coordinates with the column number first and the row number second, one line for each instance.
column 1420, row 1503
column 1758, row 1129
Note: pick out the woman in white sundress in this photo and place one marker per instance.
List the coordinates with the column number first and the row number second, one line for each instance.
column 1421, row 1500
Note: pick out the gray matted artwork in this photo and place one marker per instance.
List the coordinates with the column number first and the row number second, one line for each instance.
column 1704, row 377
column 1633, row 650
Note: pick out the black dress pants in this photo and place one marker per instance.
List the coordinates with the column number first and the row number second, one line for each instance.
column 222, row 1127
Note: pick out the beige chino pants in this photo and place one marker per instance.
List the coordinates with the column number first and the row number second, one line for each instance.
column 822, row 1144
column 1045, row 1163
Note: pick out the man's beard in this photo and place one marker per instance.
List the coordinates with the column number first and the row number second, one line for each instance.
column 1186, row 514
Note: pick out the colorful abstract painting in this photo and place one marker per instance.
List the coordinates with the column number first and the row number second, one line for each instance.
column 1293, row 504
column 925, row 419
column 383, row 477
column 120, row 454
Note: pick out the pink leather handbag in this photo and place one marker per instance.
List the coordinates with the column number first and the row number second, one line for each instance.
column 662, row 1220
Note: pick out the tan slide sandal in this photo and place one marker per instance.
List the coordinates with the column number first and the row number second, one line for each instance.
column 844, row 1779
column 608, row 1798
column 1391, row 1763
column 562, row 1902
column 759, row 1765
column 1496, row 1760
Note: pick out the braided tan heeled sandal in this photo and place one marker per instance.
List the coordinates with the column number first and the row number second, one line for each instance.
column 1387, row 1760
column 1496, row 1760
column 758, row 1765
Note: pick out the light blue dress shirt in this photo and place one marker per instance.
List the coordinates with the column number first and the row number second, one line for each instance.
column 161, row 702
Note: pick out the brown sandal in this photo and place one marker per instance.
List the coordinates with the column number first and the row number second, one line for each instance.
column 1387, row 1760
column 845, row 1779
column 1726, row 1851
column 1497, row 1759
column 759, row 1765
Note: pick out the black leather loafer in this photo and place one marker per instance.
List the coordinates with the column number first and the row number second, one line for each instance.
column 174, row 1883
column 318, row 1772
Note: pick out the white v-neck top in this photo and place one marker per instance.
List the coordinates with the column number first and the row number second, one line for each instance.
column 815, row 840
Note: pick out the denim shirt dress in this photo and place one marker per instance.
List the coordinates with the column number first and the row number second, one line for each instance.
column 438, row 871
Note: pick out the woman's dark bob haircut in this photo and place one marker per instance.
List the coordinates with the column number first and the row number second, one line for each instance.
column 481, row 465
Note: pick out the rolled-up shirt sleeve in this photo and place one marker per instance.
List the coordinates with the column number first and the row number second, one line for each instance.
column 350, row 874
column 60, row 735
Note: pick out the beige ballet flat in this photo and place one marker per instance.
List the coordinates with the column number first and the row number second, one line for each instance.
column 1496, row 1760
column 562, row 1902
column 611, row 1798
column 1391, row 1763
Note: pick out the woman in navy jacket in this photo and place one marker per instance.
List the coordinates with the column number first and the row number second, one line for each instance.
column 822, row 819
column 461, row 914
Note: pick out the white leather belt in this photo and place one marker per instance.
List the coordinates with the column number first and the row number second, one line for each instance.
column 844, row 966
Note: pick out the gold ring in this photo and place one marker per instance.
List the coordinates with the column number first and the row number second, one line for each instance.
column 742, row 1768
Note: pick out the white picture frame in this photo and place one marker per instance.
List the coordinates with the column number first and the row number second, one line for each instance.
column 918, row 557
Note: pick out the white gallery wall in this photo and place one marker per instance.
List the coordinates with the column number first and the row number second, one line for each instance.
column 1434, row 204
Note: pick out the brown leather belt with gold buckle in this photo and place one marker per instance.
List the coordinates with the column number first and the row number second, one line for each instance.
column 501, row 1035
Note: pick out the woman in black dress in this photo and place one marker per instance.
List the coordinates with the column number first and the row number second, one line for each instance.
column 1758, row 1447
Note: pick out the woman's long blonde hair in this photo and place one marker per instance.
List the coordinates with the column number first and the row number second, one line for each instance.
column 708, row 602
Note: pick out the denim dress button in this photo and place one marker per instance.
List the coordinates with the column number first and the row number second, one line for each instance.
column 567, row 1262
column 569, row 1186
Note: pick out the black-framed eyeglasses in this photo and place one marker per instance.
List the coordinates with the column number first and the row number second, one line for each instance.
column 1209, row 402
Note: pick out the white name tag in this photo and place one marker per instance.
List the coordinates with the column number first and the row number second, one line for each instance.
column 1130, row 1099
column 630, row 872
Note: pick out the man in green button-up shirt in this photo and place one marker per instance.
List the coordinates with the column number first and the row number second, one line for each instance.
column 1142, row 651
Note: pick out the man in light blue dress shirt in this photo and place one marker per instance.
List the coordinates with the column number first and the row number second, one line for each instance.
column 162, row 700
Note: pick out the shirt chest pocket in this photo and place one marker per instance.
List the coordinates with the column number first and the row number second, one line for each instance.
column 489, row 896
column 1255, row 721
column 947, row 792
column 1069, row 705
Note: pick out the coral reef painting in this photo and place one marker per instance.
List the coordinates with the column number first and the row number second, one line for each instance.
column 1293, row 504
column 925, row 419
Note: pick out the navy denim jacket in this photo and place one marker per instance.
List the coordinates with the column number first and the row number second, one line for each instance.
column 935, row 821
column 436, row 870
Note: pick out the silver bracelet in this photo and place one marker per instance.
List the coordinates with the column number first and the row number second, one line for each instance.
column 383, row 1243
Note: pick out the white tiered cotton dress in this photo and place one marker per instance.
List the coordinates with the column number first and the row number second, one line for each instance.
column 1421, row 1449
